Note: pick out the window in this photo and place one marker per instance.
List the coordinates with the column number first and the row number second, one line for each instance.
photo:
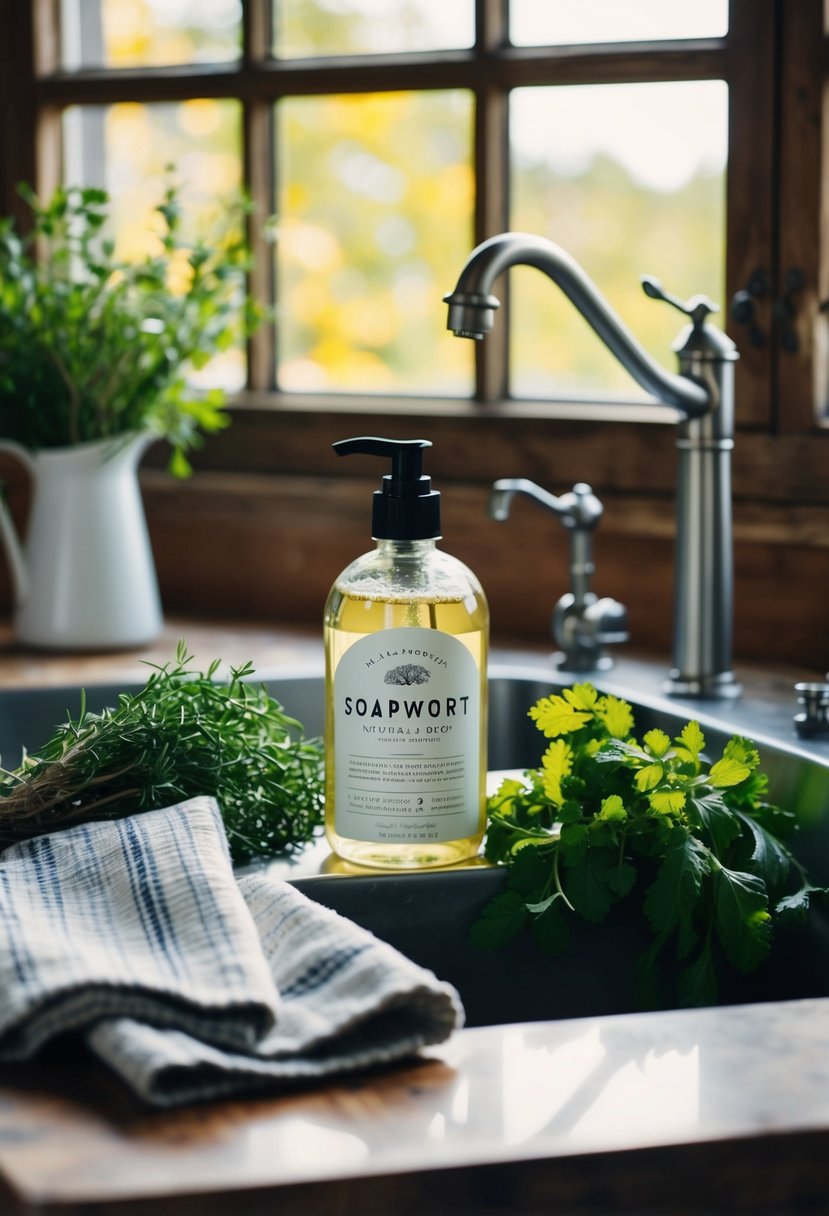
column 376, row 126
column 683, row 140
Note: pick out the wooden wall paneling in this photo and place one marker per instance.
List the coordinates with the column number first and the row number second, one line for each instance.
column 483, row 445
column 270, row 547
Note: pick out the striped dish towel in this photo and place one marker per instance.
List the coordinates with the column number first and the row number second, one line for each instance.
column 187, row 980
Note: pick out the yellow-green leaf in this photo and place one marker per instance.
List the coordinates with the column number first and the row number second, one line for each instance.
column 582, row 696
column 556, row 763
column 667, row 802
column 179, row 465
column 531, row 842
column 612, row 808
column 616, row 716
column 657, row 742
column 510, row 787
column 728, row 771
column 742, row 750
column 649, row 776
column 692, row 739
column 504, row 798
column 554, row 716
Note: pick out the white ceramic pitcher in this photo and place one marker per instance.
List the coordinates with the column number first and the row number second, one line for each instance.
column 85, row 578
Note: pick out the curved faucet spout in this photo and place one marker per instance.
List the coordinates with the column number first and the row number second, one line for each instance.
column 472, row 312
column 703, row 397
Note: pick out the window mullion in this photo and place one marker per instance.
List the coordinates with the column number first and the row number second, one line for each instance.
column 257, row 31
column 492, row 184
column 491, row 25
column 258, row 144
column 491, row 217
column 258, row 150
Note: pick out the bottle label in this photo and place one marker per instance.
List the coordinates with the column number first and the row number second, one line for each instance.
column 407, row 721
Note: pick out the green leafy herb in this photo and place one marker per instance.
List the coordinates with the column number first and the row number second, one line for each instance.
column 606, row 817
column 185, row 733
column 94, row 346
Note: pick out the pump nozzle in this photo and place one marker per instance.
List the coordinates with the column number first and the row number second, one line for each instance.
column 407, row 508
column 406, row 454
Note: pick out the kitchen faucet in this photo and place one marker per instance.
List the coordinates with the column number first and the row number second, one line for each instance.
column 703, row 397
column 582, row 624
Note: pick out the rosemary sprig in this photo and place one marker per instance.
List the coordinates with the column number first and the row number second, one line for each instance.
column 183, row 734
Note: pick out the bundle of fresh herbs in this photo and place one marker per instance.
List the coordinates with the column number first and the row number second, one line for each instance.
column 695, row 845
column 185, row 733
column 93, row 345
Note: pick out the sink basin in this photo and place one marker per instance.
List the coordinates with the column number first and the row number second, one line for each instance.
column 428, row 915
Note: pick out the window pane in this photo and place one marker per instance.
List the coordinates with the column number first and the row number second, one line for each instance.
column 630, row 180
column 375, row 201
column 554, row 22
column 126, row 148
column 145, row 33
column 370, row 27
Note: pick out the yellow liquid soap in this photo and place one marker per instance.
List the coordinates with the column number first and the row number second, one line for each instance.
column 406, row 710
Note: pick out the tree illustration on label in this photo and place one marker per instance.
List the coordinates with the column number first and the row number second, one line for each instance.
column 408, row 673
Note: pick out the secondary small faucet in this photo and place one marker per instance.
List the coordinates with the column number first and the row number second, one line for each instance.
column 703, row 397
column 582, row 624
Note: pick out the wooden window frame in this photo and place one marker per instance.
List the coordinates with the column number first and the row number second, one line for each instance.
column 490, row 70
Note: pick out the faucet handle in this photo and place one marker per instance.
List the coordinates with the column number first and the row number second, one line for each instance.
column 698, row 308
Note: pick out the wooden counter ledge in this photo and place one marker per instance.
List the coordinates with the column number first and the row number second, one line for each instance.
column 704, row 1111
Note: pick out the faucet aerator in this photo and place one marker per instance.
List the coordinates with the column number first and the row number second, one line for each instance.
column 471, row 315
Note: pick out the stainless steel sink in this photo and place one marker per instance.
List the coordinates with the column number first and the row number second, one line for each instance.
column 428, row 915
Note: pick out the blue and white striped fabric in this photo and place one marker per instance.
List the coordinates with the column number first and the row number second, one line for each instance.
column 189, row 981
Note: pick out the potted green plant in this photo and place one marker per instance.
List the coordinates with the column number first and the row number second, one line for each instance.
column 94, row 356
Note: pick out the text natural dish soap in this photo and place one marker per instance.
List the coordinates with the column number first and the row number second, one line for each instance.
column 406, row 634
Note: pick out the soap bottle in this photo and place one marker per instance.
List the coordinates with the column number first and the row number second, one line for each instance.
column 406, row 635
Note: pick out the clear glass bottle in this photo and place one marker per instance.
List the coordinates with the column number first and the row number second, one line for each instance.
column 406, row 634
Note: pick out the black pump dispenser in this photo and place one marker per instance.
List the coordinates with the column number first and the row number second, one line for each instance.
column 407, row 508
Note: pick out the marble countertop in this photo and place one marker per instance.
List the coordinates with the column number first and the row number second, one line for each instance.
column 705, row 1111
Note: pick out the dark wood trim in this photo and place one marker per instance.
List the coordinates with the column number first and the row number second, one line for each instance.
column 750, row 194
column 509, row 67
column 614, row 455
column 17, row 106
column 803, row 248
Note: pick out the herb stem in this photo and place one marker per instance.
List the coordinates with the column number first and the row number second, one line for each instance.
column 557, row 879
